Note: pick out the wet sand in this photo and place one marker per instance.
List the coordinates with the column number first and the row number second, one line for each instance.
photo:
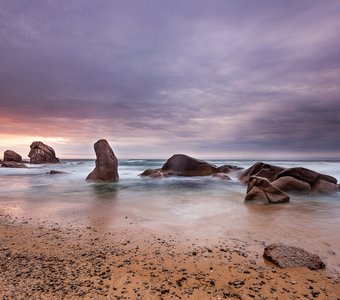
column 40, row 259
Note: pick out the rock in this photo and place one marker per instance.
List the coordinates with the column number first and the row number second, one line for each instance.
column 153, row 173
column 10, row 155
column 228, row 168
column 290, row 184
column 41, row 154
column 106, row 163
column 319, row 182
column 222, row 176
column 302, row 174
column 289, row 257
column 270, row 171
column 184, row 165
column 291, row 179
column 53, row 172
column 12, row 164
column 261, row 191
column 324, row 186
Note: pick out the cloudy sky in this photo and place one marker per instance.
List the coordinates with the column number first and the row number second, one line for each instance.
column 231, row 79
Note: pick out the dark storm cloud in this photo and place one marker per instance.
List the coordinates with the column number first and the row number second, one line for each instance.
column 211, row 75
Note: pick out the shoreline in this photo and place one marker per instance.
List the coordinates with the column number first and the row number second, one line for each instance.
column 41, row 259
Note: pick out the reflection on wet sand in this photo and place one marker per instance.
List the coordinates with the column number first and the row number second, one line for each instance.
column 100, row 209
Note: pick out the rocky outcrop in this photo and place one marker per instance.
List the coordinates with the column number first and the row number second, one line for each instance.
column 262, row 170
column 42, row 154
column 106, row 163
column 290, row 184
column 10, row 155
column 292, row 179
column 12, row 164
column 289, row 257
column 184, row 165
column 306, row 175
column 261, row 191
column 320, row 183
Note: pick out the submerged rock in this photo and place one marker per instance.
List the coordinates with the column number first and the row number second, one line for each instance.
column 12, row 164
column 228, row 169
column 153, row 173
column 106, row 163
column 222, row 176
column 10, row 155
column 54, row 172
column 261, row 191
column 41, row 153
column 289, row 257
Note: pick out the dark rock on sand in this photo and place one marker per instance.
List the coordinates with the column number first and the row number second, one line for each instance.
column 261, row 169
column 290, row 184
column 261, row 191
column 184, row 165
column 289, row 257
column 12, row 164
column 106, row 163
column 41, row 154
column 10, row 155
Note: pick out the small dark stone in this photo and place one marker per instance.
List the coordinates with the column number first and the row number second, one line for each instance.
column 288, row 257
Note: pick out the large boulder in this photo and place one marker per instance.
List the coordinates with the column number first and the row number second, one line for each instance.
column 306, row 175
column 12, row 164
column 261, row 169
column 289, row 257
column 261, row 191
column 290, row 184
column 41, row 154
column 319, row 182
column 324, row 186
column 10, row 155
column 184, row 165
column 106, row 163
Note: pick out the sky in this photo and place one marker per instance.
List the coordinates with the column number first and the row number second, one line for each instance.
column 211, row 79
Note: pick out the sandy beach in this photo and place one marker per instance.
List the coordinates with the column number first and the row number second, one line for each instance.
column 45, row 260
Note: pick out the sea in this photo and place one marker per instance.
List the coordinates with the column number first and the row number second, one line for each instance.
column 200, row 207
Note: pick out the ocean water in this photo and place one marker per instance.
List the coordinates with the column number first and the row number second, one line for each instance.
column 200, row 207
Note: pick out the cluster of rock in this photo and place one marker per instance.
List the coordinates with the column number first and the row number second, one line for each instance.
column 269, row 184
column 40, row 153
column 12, row 160
column 266, row 183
